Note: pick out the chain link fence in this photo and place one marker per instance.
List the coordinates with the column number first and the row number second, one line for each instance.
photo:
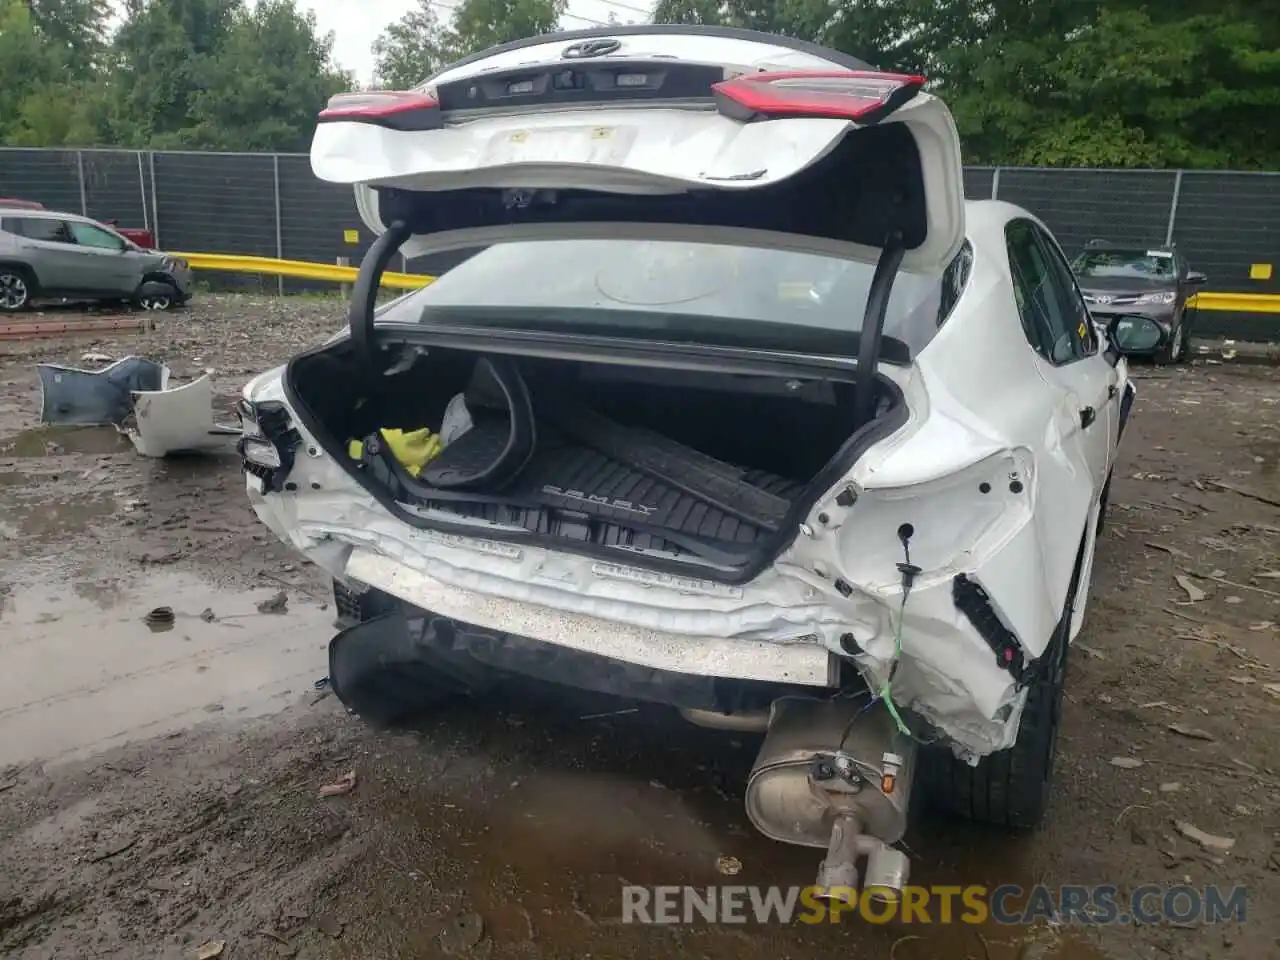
column 271, row 205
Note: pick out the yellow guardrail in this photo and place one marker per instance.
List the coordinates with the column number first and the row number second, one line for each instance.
column 1237, row 302
column 301, row 269
column 307, row 270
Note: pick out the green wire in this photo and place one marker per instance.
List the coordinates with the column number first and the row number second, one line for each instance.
column 886, row 692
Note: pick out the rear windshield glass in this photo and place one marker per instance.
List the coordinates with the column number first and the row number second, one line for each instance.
column 672, row 285
column 1135, row 264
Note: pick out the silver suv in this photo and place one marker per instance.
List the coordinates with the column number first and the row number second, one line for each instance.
column 49, row 254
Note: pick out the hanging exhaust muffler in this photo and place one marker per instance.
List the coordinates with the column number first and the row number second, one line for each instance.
column 834, row 775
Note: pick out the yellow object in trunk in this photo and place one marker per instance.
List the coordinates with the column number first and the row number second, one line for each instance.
column 413, row 449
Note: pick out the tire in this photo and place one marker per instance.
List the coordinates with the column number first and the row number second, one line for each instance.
column 1176, row 350
column 17, row 287
column 160, row 303
column 1185, row 353
column 1011, row 788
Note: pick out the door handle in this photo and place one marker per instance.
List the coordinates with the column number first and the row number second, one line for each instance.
column 1087, row 416
column 1112, row 390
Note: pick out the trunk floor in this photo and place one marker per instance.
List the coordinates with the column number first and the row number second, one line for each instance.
column 582, row 494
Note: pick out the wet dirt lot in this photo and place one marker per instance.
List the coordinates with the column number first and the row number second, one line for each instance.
column 158, row 781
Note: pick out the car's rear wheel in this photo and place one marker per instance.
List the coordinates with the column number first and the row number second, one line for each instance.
column 16, row 289
column 158, row 302
column 1176, row 350
column 1184, row 353
column 1011, row 788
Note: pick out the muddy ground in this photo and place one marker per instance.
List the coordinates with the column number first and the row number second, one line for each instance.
column 158, row 783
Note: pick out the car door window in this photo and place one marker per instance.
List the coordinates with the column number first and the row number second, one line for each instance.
column 1071, row 307
column 46, row 230
column 87, row 235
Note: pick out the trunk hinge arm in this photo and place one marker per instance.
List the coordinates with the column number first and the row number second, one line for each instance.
column 364, row 294
column 864, row 391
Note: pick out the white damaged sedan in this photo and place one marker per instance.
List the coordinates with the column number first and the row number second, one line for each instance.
column 738, row 407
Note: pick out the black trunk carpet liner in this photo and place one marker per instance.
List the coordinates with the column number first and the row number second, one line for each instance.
column 596, row 481
column 583, row 495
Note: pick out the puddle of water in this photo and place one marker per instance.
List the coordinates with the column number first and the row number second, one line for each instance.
column 81, row 671
column 49, row 441
column 41, row 521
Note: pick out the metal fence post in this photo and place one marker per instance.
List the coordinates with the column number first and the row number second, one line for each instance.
column 155, row 210
column 1173, row 208
column 995, row 184
column 275, row 173
column 84, row 205
column 142, row 193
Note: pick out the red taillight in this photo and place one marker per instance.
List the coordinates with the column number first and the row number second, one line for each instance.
column 859, row 95
column 397, row 109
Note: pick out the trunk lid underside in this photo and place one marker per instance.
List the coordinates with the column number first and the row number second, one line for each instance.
column 840, row 175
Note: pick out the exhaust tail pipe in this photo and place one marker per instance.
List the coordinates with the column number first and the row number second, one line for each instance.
column 838, row 871
column 887, row 868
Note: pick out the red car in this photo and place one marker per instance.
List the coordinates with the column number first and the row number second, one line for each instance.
column 143, row 238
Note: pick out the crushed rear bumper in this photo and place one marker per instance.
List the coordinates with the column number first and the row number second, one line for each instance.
column 394, row 659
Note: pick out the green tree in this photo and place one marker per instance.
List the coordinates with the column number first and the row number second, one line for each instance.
column 77, row 29
column 478, row 24
column 1072, row 84
column 160, row 60
column 38, row 82
column 411, row 49
column 418, row 44
column 263, row 88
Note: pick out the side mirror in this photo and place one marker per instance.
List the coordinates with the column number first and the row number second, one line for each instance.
column 1196, row 279
column 1132, row 333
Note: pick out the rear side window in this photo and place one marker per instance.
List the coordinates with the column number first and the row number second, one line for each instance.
column 41, row 228
column 9, row 225
column 1046, row 296
column 953, row 281
column 1070, row 304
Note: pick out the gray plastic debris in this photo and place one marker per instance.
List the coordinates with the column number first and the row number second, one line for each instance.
column 69, row 395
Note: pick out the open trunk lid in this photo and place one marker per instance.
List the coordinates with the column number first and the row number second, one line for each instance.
column 652, row 132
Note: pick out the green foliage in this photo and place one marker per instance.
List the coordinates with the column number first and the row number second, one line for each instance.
column 1128, row 83
column 478, row 24
column 200, row 74
column 1189, row 83
column 411, row 49
column 418, row 44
